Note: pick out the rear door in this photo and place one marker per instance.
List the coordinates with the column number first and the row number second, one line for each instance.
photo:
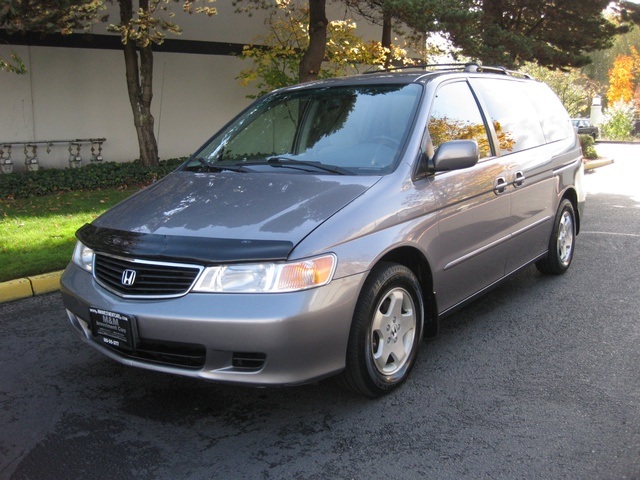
column 516, row 109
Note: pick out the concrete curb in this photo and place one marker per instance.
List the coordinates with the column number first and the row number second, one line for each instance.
column 30, row 286
column 597, row 163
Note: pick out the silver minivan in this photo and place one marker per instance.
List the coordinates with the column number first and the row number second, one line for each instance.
column 331, row 226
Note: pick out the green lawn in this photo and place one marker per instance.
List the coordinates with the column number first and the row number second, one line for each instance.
column 37, row 234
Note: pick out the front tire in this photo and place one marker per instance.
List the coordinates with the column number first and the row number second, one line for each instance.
column 386, row 331
column 561, row 242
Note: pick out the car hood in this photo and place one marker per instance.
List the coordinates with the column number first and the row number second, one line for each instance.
column 235, row 216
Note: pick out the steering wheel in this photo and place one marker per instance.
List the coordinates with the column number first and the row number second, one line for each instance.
column 385, row 140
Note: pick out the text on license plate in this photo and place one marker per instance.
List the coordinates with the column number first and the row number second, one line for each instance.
column 112, row 328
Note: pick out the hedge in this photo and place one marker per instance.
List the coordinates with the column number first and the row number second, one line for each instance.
column 94, row 176
column 588, row 147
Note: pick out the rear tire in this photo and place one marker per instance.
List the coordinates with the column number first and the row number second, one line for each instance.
column 386, row 331
column 561, row 242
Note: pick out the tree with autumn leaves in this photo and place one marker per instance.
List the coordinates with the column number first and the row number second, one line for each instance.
column 278, row 55
column 623, row 84
column 623, row 96
column 139, row 30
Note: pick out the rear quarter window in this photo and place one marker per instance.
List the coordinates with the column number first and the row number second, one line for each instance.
column 554, row 119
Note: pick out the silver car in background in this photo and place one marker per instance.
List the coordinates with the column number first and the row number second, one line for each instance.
column 331, row 226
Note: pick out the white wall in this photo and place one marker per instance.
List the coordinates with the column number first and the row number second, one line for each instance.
column 79, row 93
column 71, row 93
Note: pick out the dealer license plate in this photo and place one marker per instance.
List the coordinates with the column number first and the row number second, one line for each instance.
column 113, row 328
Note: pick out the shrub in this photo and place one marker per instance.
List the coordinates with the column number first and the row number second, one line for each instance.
column 94, row 176
column 617, row 122
column 588, row 146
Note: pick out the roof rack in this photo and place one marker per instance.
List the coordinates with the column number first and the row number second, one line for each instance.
column 502, row 70
column 469, row 67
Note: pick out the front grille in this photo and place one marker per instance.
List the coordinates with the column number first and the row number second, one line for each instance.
column 152, row 279
column 186, row 355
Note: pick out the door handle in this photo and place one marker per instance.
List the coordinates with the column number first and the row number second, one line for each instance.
column 499, row 185
column 518, row 181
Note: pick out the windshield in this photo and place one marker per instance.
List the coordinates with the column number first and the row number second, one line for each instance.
column 356, row 130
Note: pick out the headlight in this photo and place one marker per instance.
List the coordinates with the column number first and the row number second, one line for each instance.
column 83, row 257
column 267, row 277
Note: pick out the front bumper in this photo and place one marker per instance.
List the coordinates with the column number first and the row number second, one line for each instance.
column 296, row 337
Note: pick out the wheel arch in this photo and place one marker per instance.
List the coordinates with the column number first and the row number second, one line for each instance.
column 415, row 261
column 571, row 195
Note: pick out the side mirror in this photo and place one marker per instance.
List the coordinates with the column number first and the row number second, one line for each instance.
column 455, row 155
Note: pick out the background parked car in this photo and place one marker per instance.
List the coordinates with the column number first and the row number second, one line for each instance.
column 584, row 127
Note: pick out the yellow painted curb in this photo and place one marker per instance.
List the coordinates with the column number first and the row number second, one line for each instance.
column 15, row 290
column 45, row 283
column 30, row 286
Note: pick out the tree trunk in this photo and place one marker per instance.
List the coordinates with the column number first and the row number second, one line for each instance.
column 139, row 73
column 312, row 59
column 386, row 36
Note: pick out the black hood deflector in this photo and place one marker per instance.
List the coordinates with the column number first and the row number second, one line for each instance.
column 199, row 250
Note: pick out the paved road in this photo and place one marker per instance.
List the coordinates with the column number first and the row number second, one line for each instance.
column 539, row 379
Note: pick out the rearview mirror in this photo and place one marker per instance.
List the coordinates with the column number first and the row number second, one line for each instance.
column 455, row 155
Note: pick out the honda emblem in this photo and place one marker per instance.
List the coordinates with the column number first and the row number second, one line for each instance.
column 128, row 277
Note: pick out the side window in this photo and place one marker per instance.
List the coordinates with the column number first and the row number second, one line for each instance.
column 555, row 121
column 514, row 117
column 455, row 116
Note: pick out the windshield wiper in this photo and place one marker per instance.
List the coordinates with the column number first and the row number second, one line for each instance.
column 211, row 167
column 281, row 161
